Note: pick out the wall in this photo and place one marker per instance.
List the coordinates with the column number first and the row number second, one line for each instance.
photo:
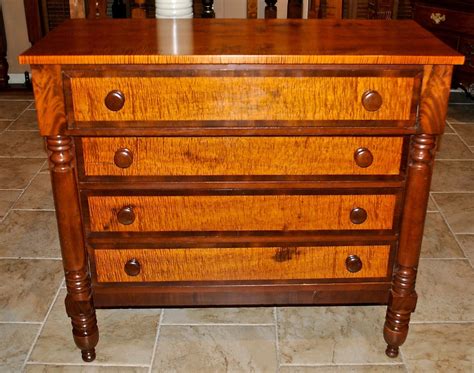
column 17, row 36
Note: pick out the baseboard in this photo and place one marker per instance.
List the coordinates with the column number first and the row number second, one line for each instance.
column 16, row 79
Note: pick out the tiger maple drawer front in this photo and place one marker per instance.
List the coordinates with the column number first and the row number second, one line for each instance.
column 256, row 263
column 240, row 213
column 242, row 98
column 214, row 156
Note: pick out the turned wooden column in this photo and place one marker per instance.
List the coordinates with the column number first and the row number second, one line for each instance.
column 402, row 299
column 208, row 9
column 79, row 305
column 270, row 9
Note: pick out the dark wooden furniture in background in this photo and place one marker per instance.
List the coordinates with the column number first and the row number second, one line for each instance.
column 3, row 54
column 453, row 22
column 239, row 162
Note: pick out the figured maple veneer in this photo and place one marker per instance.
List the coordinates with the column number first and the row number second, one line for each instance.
column 255, row 263
column 238, row 213
column 240, row 98
column 186, row 156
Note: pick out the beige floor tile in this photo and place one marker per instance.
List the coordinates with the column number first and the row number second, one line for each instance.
column 216, row 349
column 448, row 129
column 39, row 194
column 126, row 337
column 7, row 199
column 467, row 243
column 438, row 241
column 431, row 205
column 438, row 348
column 45, row 168
column 332, row 335
column 466, row 131
column 444, row 291
column 29, row 234
column 451, row 147
column 27, row 288
column 458, row 209
column 453, row 176
column 460, row 113
column 39, row 368
column 21, row 144
column 26, row 122
column 12, row 109
column 15, row 342
column 17, row 173
column 219, row 316
column 345, row 369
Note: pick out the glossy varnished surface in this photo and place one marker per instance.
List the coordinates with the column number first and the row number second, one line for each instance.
column 237, row 41
column 240, row 213
column 204, row 156
column 257, row 263
column 241, row 98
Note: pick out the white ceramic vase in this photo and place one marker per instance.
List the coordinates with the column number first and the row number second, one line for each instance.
column 174, row 8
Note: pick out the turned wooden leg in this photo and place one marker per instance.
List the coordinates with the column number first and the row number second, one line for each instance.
column 402, row 300
column 79, row 305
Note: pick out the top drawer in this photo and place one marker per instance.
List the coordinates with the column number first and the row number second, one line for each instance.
column 208, row 98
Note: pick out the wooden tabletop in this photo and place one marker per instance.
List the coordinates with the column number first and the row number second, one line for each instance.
column 223, row 41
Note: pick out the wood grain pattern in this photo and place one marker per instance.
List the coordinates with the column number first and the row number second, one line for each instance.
column 241, row 98
column 49, row 96
column 240, row 213
column 434, row 98
column 77, row 9
column 226, row 41
column 256, row 263
column 186, row 156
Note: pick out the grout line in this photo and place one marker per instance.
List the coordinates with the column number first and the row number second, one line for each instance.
column 461, row 247
column 442, row 322
column 155, row 345
column 33, row 210
column 14, row 120
column 215, row 324
column 277, row 342
column 340, row 364
column 14, row 189
column 91, row 364
column 28, row 258
column 42, row 326
column 21, row 322
column 23, row 192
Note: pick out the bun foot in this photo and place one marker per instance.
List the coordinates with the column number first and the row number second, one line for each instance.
column 88, row 355
column 391, row 351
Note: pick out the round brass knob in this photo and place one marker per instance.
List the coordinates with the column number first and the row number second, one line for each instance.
column 371, row 100
column 363, row 157
column 132, row 267
column 358, row 215
column 114, row 100
column 126, row 216
column 123, row 158
column 353, row 263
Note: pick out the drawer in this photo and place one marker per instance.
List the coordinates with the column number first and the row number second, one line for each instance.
column 451, row 20
column 240, row 212
column 256, row 263
column 241, row 98
column 211, row 156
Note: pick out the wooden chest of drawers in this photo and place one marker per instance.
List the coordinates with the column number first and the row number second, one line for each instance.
column 243, row 165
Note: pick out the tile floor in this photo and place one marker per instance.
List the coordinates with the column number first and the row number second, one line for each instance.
column 35, row 332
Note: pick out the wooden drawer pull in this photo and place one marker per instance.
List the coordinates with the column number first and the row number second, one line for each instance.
column 358, row 215
column 371, row 100
column 115, row 100
column 126, row 216
column 123, row 158
column 132, row 267
column 353, row 263
column 363, row 157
